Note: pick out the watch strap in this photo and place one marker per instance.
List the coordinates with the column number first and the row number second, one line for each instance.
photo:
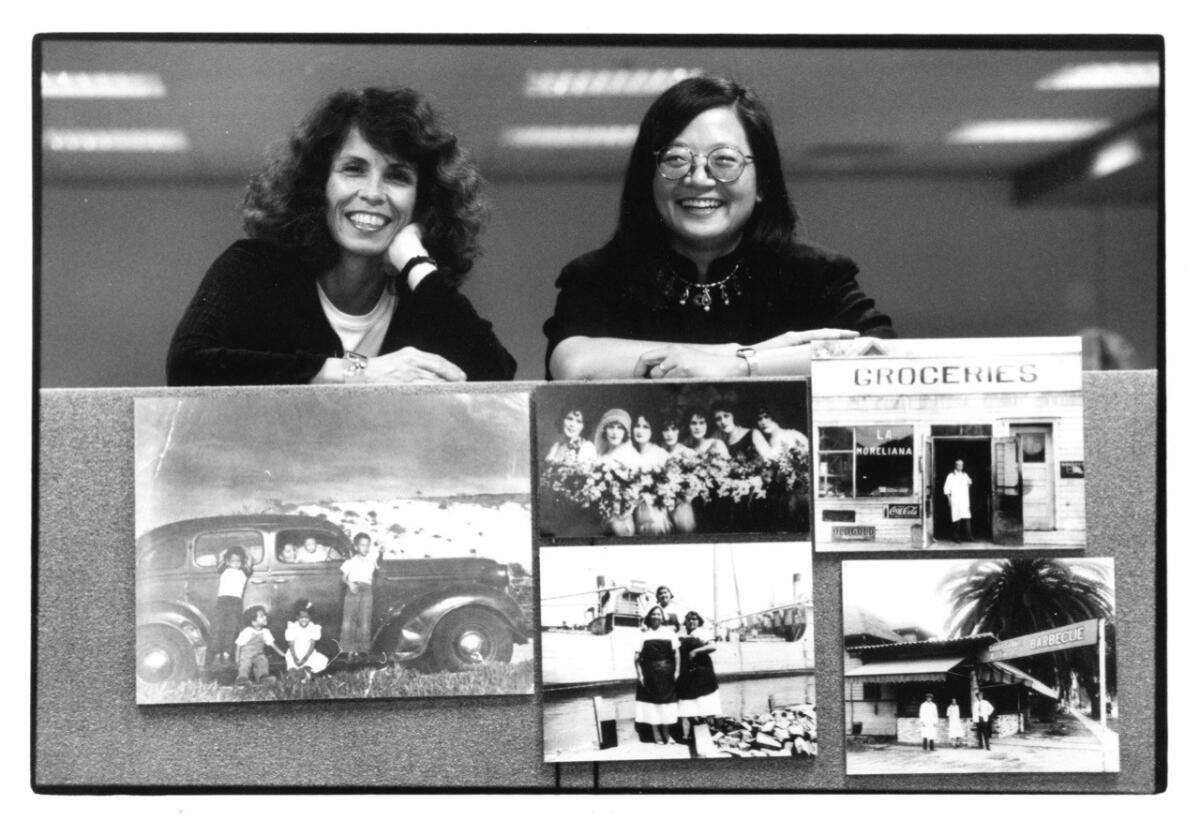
column 750, row 355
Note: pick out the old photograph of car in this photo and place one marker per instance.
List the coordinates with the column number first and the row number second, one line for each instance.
column 677, row 651
column 971, row 666
column 670, row 461
column 304, row 546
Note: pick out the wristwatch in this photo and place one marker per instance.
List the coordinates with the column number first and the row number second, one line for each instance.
column 751, row 357
column 353, row 365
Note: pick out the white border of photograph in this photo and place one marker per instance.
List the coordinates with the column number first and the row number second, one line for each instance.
column 892, row 426
column 755, row 599
column 673, row 461
column 923, row 639
column 262, row 520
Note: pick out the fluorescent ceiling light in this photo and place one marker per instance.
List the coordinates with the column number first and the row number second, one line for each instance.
column 1027, row 130
column 133, row 140
column 1103, row 76
column 570, row 136
column 1116, row 155
column 557, row 84
column 102, row 85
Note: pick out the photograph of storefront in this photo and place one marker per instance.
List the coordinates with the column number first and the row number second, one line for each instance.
column 969, row 695
column 950, row 444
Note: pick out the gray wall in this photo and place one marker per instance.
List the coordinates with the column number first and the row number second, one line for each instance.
column 946, row 258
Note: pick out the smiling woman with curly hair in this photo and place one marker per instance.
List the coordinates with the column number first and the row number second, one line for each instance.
column 362, row 226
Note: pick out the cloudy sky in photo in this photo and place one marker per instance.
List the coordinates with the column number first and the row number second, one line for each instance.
column 197, row 456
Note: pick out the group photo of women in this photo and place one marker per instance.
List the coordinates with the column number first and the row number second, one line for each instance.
column 672, row 460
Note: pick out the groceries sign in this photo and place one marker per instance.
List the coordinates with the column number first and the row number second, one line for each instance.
column 961, row 375
column 1075, row 635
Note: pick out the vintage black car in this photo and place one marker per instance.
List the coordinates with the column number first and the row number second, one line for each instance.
column 446, row 613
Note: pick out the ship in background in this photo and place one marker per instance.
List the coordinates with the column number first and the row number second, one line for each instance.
column 625, row 604
column 593, row 643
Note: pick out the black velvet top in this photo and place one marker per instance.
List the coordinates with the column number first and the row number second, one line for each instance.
column 610, row 293
column 257, row 320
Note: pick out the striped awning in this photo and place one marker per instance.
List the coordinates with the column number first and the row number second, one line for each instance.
column 1007, row 674
column 914, row 669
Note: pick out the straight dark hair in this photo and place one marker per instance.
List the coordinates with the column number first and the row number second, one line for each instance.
column 771, row 227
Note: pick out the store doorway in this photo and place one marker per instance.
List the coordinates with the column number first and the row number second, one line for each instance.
column 976, row 455
column 1037, row 479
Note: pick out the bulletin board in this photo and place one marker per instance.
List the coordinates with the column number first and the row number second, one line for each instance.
column 90, row 735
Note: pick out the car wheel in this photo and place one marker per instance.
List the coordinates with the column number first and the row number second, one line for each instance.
column 163, row 656
column 469, row 637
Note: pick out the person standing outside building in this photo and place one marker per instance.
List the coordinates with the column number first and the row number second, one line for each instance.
column 954, row 727
column 358, row 573
column 929, row 722
column 958, row 493
column 981, row 715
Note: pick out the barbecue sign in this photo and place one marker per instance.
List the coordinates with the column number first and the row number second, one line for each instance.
column 1050, row 640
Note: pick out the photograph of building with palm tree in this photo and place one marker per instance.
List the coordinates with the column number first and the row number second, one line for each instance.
column 993, row 665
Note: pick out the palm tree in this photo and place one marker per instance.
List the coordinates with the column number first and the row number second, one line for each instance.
column 1010, row 598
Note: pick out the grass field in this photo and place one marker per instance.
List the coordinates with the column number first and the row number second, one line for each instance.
column 367, row 683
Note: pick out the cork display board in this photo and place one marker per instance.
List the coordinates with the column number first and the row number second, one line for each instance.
column 90, row 734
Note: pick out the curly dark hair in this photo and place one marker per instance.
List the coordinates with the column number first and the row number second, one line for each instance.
column 771, row 227
column 253, row 612
column 285, row 202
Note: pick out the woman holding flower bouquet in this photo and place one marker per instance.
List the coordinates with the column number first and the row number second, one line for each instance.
column 650, row 516
column 787, row 495
column 567, row 464
column 747, row 448
column 620, row 463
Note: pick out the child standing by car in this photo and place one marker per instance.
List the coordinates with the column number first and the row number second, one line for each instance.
column 235, row 571
column 252, row 646
column 358, row 573
column 302, row 635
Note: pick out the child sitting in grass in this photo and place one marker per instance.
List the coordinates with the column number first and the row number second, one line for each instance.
column 302, row 635
column 252, row 645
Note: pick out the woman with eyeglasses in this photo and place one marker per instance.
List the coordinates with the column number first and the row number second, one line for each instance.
column 704, row 276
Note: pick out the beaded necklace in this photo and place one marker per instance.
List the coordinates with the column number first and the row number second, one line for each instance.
column 701, row 293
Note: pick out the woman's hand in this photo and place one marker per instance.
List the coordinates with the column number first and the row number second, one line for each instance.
column 406, row 246
column 673, row 361
column 411, row 365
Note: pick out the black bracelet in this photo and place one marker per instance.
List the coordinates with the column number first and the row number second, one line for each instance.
column 412, row 262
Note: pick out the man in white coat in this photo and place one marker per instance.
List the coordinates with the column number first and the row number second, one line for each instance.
column 981, row 715
column 958, row 493
column 929, row 722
